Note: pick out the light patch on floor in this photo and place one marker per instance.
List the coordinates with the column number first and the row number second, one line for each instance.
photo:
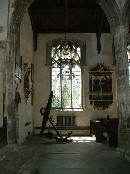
column 83, row 139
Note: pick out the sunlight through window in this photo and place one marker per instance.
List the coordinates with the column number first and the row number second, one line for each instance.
column 66, row 76
column 82, row 139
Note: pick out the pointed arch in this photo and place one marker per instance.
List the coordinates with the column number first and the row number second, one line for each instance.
column 126, row 8
column 113, row 14
column 76, row 42
column 20, row 7
column 126, row 12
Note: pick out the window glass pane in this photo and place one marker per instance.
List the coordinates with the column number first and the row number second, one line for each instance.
column 78, row 51
column 56, row 88
column 66, row 76
column 76, row 84
column 76, row 91
column 66, row 92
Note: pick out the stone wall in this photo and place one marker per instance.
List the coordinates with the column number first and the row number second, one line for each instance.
column 25, row 107
column 3, row 37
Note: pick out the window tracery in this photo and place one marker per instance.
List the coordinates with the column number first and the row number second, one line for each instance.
column 66, row 75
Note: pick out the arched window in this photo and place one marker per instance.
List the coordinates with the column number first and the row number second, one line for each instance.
column 66, row 75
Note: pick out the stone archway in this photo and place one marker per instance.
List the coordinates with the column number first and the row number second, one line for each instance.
column 111, row 11
column 11, row 113
column 113, row 15
column 126, row 11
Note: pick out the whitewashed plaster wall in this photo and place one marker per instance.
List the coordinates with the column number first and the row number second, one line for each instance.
column 1, row 85
column 42, row 77
column 25, row 110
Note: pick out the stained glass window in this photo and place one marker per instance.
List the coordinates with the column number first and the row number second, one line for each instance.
column 66, row 76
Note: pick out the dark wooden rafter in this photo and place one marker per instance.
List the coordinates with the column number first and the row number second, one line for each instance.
column 99, row 31
column 83, row 16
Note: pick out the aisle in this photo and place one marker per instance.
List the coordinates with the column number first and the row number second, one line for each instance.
column 82, row 157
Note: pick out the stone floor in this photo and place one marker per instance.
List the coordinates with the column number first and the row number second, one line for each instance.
column 42, row 156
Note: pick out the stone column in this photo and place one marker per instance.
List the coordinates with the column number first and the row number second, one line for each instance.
column 12, row 48
column 10, row 87
column 122, row 75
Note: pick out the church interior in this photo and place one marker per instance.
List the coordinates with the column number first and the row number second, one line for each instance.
column 76, row 50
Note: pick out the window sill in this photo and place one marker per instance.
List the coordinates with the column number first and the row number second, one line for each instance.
column 67, row 109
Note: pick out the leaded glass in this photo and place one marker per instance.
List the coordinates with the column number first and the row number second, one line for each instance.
column 66, row 76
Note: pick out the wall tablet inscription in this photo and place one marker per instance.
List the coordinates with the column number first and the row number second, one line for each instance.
column 100, row 86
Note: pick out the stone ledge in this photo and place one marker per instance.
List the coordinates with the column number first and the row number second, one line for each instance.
column 67, row 128
column 76, row 130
